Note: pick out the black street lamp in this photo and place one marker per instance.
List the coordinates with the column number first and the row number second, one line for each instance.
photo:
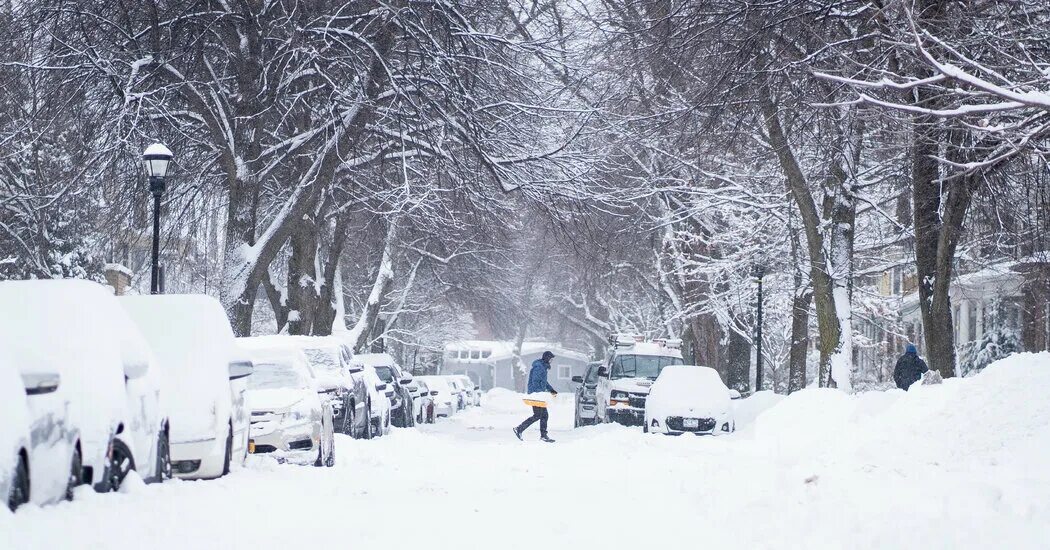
column 156, row 157
column 760, row 271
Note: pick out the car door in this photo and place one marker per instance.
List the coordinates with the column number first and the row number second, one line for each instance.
column 602, row 390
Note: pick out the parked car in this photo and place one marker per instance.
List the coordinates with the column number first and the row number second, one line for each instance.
column 401, row 407
column 586, row 408
column 444, row 400
column 471, row 391
column 424, row 401
column 625, row 379
column 459, row 392
column 380, row 396
column 689, row 399
column 66, row 342
column 203, row 384
column 350, row 408
column 290, row 413
column 15, row 447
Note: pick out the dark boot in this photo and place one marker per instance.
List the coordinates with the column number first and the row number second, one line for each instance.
column 517, row 433
column 546, row 439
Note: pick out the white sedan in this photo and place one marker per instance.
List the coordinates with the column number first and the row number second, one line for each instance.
column 288, row 416
column 689, row 399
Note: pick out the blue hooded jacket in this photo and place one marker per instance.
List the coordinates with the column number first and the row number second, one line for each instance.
column 538, row 377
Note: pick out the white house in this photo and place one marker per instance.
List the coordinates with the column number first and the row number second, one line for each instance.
column 490, row 363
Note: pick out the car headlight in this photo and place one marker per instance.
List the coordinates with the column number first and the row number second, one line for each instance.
column 617, row 394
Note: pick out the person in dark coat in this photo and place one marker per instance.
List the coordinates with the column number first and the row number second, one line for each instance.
column 538, row 384
column 909, row 369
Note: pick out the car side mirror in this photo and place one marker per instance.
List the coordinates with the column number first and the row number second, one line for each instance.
column 354, row 369
column 577, row 379
column 603, row 372
column 434, row 393
column 733, row 394
column 406, row 381
column 380, row 387
column 40, row 383
column 477, row 388
column 241, row 369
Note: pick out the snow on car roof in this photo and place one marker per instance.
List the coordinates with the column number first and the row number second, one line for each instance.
column 649, row 348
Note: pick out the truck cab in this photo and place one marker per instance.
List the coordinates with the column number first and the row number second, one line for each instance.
column 628, row 374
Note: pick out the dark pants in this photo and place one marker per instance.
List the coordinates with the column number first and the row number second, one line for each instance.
column 538, row 413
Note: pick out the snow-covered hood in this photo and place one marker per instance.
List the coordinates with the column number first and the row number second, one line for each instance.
column 275, row 399
column 631, row 385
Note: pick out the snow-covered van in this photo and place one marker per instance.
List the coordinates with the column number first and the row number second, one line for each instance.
column 624, row 381
column 203, row 383
column 93, row 410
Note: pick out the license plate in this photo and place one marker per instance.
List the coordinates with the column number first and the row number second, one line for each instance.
column 690, row 423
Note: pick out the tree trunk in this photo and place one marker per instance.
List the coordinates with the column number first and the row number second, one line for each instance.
column 738, row 355
column 361, row 333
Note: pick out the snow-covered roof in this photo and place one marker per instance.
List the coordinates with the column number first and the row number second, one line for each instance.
column 498, row 350
column 649, row 348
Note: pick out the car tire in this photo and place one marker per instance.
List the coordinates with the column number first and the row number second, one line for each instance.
column 368, row 421
column 645, row 427
column 229, row 452
column 163, row 457
column 576, row 418
column 121, row 463
column 329, row 460
column 19, row 485
column 348, row 420
column 76, row 473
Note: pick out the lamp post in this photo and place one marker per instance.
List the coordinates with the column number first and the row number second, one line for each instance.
column 156, row 157
column 760, row 272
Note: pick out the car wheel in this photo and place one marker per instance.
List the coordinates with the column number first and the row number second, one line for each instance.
column 76, row 473
column 120, row 464
column 20, row 485
column 576, row 418
column 645, row 427
column 368, row 421
column 163, row 457
column 229, row 452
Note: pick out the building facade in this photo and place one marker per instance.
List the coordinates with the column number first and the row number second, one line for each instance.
column 490, row 363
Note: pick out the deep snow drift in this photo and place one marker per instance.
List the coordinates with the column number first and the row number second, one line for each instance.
column 959, row 465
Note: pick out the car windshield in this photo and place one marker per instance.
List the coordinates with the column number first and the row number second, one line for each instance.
column 422, row 386
column 273, row 376
column 641, row 366
column 386, row 374
column 323, row 358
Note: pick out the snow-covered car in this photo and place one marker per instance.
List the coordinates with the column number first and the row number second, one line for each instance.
column 423, row 400
column 586, row 408
column 689, row 399
column 288, row 414
column 380, row 396
column 445, row 403
column 331, row 358
column 15, row 445
column 471, row 391
column 203, row 380
column 397, row 382
column 69, row 337
column 624, row 381
column 459, row 392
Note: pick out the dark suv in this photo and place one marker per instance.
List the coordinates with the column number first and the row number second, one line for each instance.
column 586, row 406
column 402, row 410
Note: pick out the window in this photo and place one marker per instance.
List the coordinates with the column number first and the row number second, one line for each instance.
column 453, row 354
column 486, row 354
column 592, row 374
column 464, row 354
column 564, row 373
column 641, row 366
column 476, row 354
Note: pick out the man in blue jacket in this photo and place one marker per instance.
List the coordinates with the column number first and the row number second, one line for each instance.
column 537, row 384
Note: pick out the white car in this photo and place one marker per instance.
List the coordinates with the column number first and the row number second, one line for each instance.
column 380, row 396
column 625, row 379
column 689, row 399
column 203, row 380
column 15, row 448
column 93, row 417
column 444, row 399
column 472, row 390
column 459, row 392
column 288, row 415
column 422, row 401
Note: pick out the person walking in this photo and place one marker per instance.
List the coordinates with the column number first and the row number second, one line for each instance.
column 538, row 384
column 910, row 368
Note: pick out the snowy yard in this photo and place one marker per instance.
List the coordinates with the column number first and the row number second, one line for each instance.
column 960, row 465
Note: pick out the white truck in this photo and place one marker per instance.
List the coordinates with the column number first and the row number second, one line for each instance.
column 624, row 381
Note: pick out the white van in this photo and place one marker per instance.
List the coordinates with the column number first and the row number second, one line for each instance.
column 203, row 381
column 66, row 340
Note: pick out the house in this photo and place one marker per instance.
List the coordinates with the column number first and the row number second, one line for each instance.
column 490, row 363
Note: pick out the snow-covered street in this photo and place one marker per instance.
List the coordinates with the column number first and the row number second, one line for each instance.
column 958, row 465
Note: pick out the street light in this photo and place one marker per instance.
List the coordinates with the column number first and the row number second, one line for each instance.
column 760, row 271
column 156, row 157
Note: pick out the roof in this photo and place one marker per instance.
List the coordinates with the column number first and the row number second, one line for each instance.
column 504, row 349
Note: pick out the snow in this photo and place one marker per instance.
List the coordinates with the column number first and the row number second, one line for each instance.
column 373, row 360
column 952, row 466
column 191, row 338
column 14, row 430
